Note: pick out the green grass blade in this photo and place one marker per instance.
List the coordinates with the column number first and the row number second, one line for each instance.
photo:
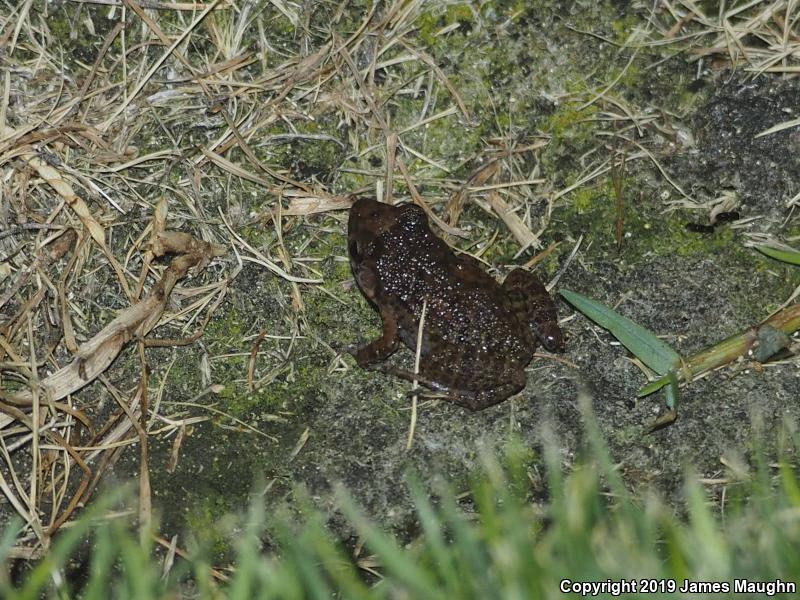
column 64, row 546
column 648, row 348
column 789, row 256
column 470, row 551
column 339, row 567
column 396, row 562
column 141, row 576
column 243, row 583
column 11, row 530
column 653, row 386
column 103, row 553
column 432, row 526
column 307, row 565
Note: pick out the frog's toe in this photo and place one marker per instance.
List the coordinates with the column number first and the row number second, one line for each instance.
column 373, row 366
column 341, row 347
column 354, row 350
column 421, row 392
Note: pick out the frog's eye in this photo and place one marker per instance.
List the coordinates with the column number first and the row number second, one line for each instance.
column 354, row 251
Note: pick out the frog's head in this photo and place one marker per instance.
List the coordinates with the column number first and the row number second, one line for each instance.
column 370, row 221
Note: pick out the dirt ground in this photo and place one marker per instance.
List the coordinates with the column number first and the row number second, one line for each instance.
column 609, row 106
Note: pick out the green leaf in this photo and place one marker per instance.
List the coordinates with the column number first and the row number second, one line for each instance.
column 789, row 256
column 644, row 344
column 653, row 386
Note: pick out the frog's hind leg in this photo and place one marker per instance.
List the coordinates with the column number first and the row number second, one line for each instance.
column 486, row 397
column 412, row 377
column 471, row 399
column 530, row 297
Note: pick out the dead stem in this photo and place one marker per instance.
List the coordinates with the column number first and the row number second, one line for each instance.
column 194, row 111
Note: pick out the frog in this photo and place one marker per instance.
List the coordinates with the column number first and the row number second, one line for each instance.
column 477, row 335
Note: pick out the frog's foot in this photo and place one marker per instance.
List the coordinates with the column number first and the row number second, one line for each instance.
column 382, row 348
column 411, row 376
column 471, row 400
column 481, row 399
column 436, row 390
column 530, row 298
column 426, row 394
column 369, row 356
column 357, row 351
column 341, row 347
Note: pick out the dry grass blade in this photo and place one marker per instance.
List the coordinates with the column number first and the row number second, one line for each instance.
column 245, row 123
column 521, row 232
column 765, row 34
column 259, row 258
column 778, row 127
column 149, row 4
column 94, row 356
column 156, row 66
column 303, row 204
column 413, row 424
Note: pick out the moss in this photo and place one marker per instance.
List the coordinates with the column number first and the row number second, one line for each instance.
column 629, row 76
column 570, row 120
column 303, row 158
column 585, row 198
column 84, row 46
column 430, row 23
column 629, row 434
column 203, row 519
column 623, row 27
column 572, row 132
column 224, row 327
column 592, row 211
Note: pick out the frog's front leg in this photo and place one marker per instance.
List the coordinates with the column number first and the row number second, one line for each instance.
column 382, row 348
column 531, row 298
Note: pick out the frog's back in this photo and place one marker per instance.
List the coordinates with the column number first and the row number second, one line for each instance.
column 472, row 335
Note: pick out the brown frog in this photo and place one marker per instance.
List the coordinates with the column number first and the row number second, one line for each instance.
column 478, row 336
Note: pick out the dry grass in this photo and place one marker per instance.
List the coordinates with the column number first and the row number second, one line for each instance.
column 172, row 119
column 760, row 36
column 176, row 114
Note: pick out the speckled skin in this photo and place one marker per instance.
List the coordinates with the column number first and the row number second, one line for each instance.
column 478, row 336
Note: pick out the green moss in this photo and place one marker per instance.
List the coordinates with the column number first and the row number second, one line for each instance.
column 459, row 13
column 570, row 121
column 430, row 23
column 302, row 156
column 592, row 211
column 226, row 326
column 585, row 198
column 78, row 43
column 628, row 77
column 203, row 519
column 623, row 27
column 629, row 434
